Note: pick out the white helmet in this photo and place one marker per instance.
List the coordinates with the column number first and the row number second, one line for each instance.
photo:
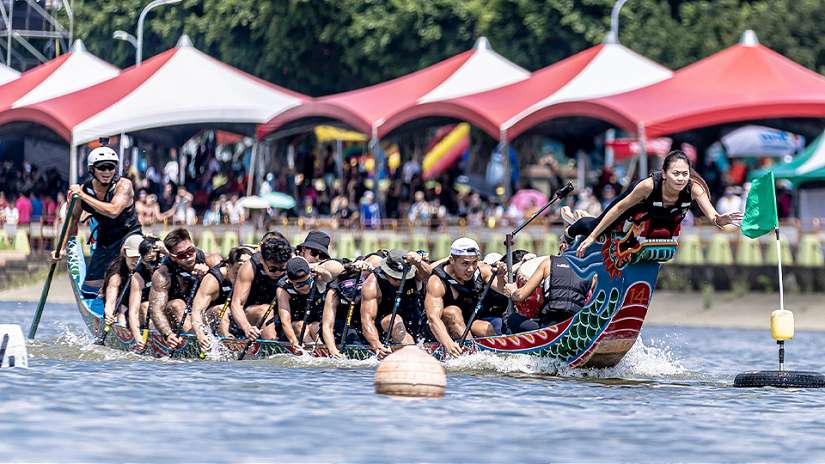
column 100, row 154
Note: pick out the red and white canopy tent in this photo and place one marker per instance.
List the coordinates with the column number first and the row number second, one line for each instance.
column 173, row 94
column 506, row 112
column 367, row 109
column 743, row 83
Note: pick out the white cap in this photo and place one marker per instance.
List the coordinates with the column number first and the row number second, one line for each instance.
column 493, row 258
column 465, row 247
column 131, row 247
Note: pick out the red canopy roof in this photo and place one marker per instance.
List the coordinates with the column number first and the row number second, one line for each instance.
column 741, row 83
column 367, row 109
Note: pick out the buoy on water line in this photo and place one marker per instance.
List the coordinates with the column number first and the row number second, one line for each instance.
column 12, row 347
column 410, row 372
column 782, row 329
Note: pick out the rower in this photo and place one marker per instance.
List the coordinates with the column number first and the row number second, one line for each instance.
column 300, row 299
column 115, row 280
column 315, row 250
column 213, row 293
column 254, row 289
column 345, row 294
column 151, row 250
column 109, row 199
column 453, row 292
column 565, row 293
column 658, row 204
column 174, row 281
column 378, row 299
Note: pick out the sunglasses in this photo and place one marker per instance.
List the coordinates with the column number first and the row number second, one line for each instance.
column 105, row 167
column 187, row 253
column 305, row 283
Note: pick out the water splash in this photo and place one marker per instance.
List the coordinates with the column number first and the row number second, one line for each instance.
column 642, row 361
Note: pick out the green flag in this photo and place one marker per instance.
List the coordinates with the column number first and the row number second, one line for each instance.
column 760, row 209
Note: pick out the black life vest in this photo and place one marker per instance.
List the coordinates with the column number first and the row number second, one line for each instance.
column 299, row 303
column 146, row 274
column 468, row 292
column 658, row 220
column 181, row 279
column 224, row 285
column 495, row 305
column 111, row 230
column 564, row 291
column 262, row 289
column 408, row 307
column 348, row 289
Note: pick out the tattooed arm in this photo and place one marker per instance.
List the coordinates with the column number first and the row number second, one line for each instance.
column 158, row 297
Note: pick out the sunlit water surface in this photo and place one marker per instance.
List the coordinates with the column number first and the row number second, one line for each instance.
column 670, row 400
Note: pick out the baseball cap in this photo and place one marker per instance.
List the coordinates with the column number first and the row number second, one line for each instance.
column 465, row 247
column 131, row 247
column 493, row 258
column 297, row 268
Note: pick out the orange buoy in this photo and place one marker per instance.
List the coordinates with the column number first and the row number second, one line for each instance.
column 410, row 372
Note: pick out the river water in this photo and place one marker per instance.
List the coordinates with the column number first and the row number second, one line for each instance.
column 670, row 400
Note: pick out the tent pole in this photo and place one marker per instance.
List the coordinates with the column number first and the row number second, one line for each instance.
column 252, row 162
column 72, row 163
column 121, row 152
column 339, row 158
column 378, row 158
column 642, row 152
column 505, row 153
column 609, row 154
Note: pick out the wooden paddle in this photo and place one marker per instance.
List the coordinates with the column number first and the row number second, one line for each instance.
column 108, row 327
column 47, row 285
column 477, row 308
column 396, row 304
column 346, row 325
column 260, row 326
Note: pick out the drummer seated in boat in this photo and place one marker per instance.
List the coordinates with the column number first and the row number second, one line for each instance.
column 564, row 292
column 117, row 278
column 342, row 307
column 174, row 282
column 211, row 302
column 301, row 302
column 453, row 291
column 399, row 271
column 151, row 251
column 255, row 288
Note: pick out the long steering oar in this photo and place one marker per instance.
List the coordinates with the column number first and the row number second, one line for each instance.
column 186, row 313
column 260, row 326
column 396, row 304
column 477, row 309
column 101, row 340
column 58, row 247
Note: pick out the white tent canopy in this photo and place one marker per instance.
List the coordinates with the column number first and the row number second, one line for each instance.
column 7, row 74
column 189, row 87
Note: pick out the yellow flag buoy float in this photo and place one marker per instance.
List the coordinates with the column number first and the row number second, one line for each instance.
column 760, row 218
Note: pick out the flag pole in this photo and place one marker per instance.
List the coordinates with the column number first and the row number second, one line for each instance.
column 779, row 268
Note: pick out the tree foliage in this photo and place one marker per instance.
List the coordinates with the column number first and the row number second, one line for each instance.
column 325, row 46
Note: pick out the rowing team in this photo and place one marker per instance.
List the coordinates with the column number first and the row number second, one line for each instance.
column 303, row 296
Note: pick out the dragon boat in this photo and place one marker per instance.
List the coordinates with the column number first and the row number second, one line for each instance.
column 625, row 264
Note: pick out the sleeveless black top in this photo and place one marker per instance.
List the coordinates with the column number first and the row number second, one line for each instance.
column 653, row 207
column 300, row 303
column 468, row 292
column 408, row 307
column 564, row 291
column 182, row 280
column 146, row 274
column 262, row 289
column 348, row 289
column 111, row 230
column 225, row 286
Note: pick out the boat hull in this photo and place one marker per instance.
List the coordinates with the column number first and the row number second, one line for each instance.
column 598, row 336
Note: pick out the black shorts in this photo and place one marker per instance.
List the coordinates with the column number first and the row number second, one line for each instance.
column 102, row 256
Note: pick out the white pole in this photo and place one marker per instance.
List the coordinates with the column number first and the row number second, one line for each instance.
column 10, row 31
column 121, row 153
column 609, row 154
column 779, row 269
column 72, row 163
